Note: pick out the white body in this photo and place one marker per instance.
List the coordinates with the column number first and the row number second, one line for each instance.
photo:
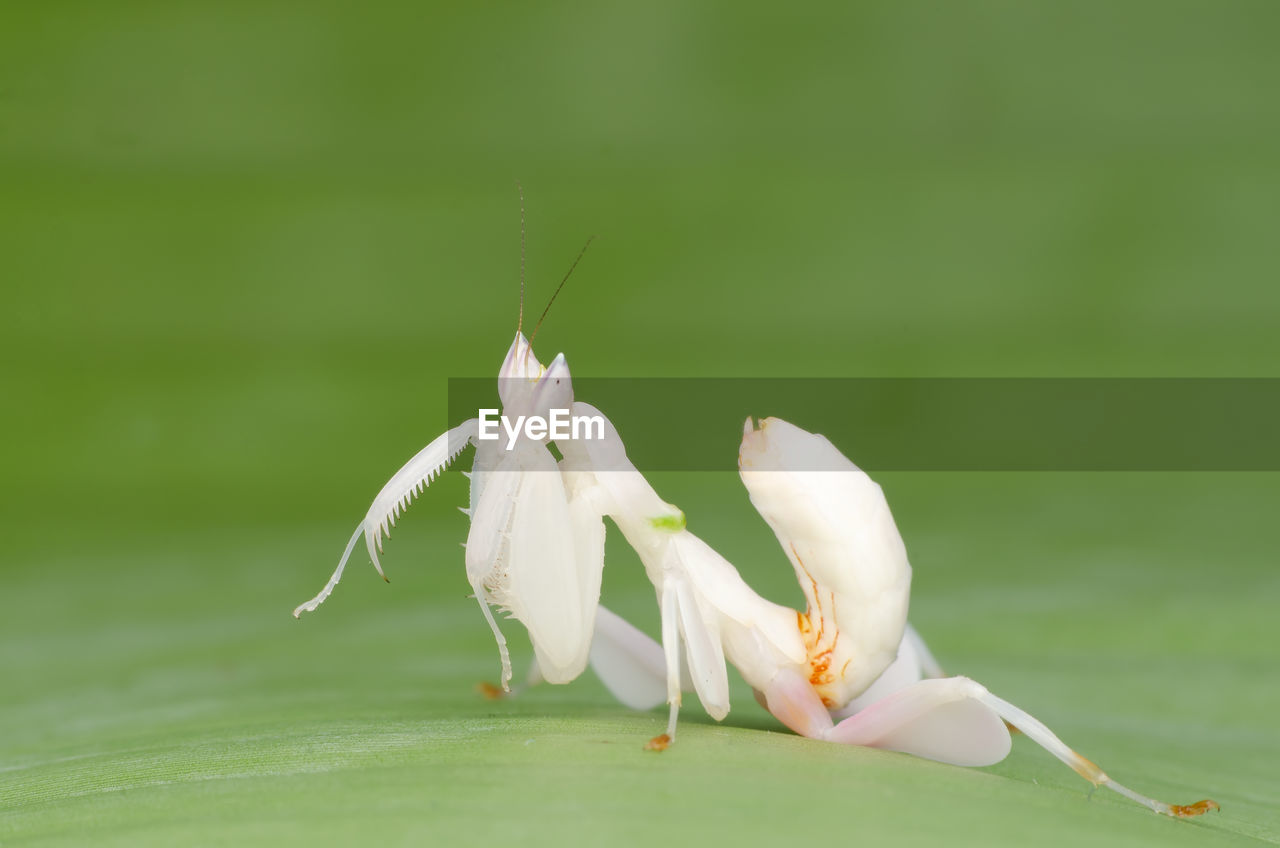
column 834, row 525
column 847, row 670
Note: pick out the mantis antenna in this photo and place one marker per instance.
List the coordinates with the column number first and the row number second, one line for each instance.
column 557, row 291
column 520, row 320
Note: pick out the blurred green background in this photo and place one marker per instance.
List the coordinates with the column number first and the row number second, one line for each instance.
column 243, row 246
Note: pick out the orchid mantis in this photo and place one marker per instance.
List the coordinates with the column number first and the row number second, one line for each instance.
column 846, row 670
column 849, row 669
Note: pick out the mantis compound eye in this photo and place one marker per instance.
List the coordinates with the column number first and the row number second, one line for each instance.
column 517, row 379
column 554, row 389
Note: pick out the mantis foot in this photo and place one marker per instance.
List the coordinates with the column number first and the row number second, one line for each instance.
column 490, row 691
column 660, row 743
column 1186, row 811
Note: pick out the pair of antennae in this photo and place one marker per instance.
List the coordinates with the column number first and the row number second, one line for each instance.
column 520, row 322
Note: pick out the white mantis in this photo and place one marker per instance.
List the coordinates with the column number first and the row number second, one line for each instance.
column 847, row 670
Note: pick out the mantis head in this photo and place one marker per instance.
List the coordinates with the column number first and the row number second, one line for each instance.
column 527, row 387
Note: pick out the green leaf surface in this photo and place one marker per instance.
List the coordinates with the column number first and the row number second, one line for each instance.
column 243, row 246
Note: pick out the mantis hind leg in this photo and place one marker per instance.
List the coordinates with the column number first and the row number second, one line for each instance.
column 1037, row 732
column 931, row 719
column 938, row 719
column 952, row 720
column 629, row 663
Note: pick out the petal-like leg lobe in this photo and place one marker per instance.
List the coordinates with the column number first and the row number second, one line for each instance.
column 936, row 719
column 628, row 662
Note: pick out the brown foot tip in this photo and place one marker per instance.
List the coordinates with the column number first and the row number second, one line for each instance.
column 1186, row 811
column 660, row 743
column 490, row 691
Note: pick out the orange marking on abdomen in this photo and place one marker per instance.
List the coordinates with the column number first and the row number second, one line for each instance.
column 819, row 655
column 818, row 669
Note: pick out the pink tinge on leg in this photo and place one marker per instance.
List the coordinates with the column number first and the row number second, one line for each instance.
column 939, row 720
column 794, row 703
